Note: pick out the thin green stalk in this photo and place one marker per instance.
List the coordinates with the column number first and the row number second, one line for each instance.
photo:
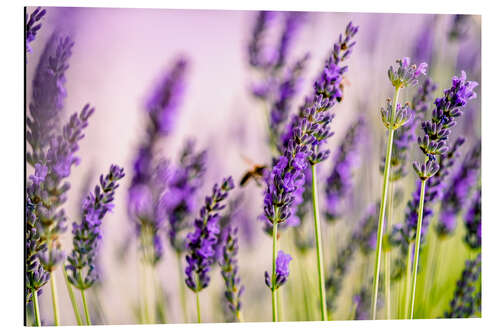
column 319, row 255
column 417, row 246
column 85, row 308
column 305, row 295
column 383, row 203
column 279, row 296
column 182, row 289
column 408, row 280
column 198, row 312
column 36, row 307
column 387, row 254
column 72, row 298
column 273, row 277
column 239, row 316
column 53, row 290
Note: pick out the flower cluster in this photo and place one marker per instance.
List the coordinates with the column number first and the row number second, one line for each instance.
column 33, row 25
column 35, row 275
column 200, row 242
column 401, row 116
column 458, row 191
column 406, row 75
column 339, row 183
column 406, row 231
column 282, row 271
column 150, row 174
column 87, row 234
column 464, row 303
column 48, row 96
column 473, row 222
column 229, row 270
column 306, row 132
column 447, row 108
column 365, row 235
column 179, row 199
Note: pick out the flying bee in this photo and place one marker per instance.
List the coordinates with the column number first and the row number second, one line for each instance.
column 256, row 172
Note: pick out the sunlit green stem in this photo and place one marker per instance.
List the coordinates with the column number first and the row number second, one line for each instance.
column 36, row 307
column 383, row 203
column 417, row 246
column 55, row 306
column 198, row 312
column 273, row 277
column 72, row 298
column 387, row 254
column 319, row 254
column 182, row 289
column 85, row 308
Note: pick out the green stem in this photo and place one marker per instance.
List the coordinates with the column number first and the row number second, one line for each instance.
column 182, row 290
column 319, row 255
column 36, row 307
column 380, row 231
column 408, row 280
column 53, row 289
column 273, row 277
column 85, row 308
column 279, row 299
column 198, row 312
column 72, row 298
column 417, row 246
column 387, row 254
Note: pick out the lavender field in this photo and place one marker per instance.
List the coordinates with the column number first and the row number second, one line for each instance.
column 187, row 166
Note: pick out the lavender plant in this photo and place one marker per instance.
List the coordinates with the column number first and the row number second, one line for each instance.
column 33, row 24
column 200, row 242
column 229, row 270
column 433, row 143
column 473, row 222
column 465, row 302
column 458, row 191
column 339, row 184
column 393, row 117
column 87, row 235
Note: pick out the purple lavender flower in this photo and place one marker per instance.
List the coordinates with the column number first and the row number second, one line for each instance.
column 308, row 130
column 35, row 275
column 287, row 89
column 150, row 177
column 406, row 75
column 459, row 28
column 200, row 242
column 229, row 270
column 339, row 183
column 256, row 47
column 406, row 133
column 464, row 303
column 87, row 235
column 473, row 222
column 47, row 187
column 293, row 21
column 179, row 199
column 361, row 301
column 447, row 108
column 33, row 25
column 406, row 231
column 282, row 271
column 48, row 97
column 164, row 102
column 365, row 234
column 458, row 191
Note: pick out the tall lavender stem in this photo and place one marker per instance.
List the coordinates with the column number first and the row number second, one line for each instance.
column 394, row 116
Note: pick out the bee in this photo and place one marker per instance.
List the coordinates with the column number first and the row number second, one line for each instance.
column 255, row 173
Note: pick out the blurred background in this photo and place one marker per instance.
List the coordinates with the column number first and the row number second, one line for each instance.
column 118, row 58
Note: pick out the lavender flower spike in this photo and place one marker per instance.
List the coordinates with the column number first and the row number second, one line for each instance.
column 458, row 191
column 339, row 183
column 200, row 242
column 406, row 75
column 464, row 302
column 473, row 222
column 229, row 270
column 33, row 25
column 282, row 271
column 87, row 235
